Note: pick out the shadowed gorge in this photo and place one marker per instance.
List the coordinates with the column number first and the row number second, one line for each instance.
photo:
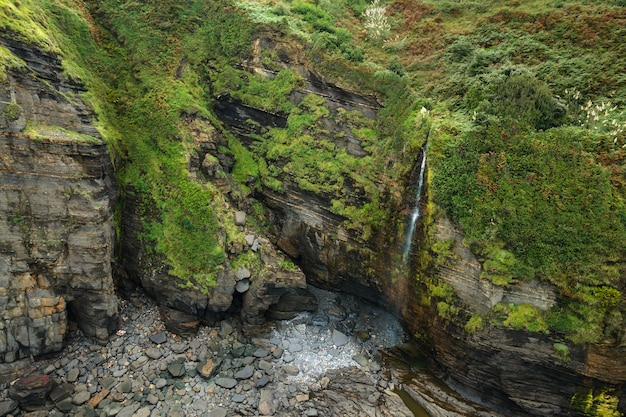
column 175, row 176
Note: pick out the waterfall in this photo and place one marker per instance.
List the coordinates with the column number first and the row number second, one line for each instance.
column 408, row 238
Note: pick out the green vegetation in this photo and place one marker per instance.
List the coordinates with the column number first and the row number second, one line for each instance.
column 522, row 105
column 599, row 404
column 12, row 111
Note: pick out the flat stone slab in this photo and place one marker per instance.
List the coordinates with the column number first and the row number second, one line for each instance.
column 339, row 339
column 159, row 338
column 227, row 383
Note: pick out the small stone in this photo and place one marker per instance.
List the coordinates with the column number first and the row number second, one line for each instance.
column 142, row 412
column 255, row 245
column 64, row 406
column 179, row 347
column 250, row 240
column 7, row 407
column 112, row 409
column 243, row 286
column 207, row 368
column 324, row 382
column 302, row 398
column 81, row 397
column 152, row 399
column 128, row 411
column 339, row 339
column 125, row 386
column 240, row 218
column 238, row 398
column 153, row 353
column 245, row 373
column 72, row 375
column 218, row 412
column 108, row 382
column 227, row 383
column 161, row 382
column 311, row 412
column 263, row 381
column 291, row 369
column 159, row 338
column 242, row 273
column 361, row 359
column 176, row 369
column 267, row 407
column 264, row 365
column 225, row 329
column 278, row 352
column 261, row 353
column 96, row 399
column 295, row 347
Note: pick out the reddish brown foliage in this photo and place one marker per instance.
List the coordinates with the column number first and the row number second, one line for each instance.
column 411, row 10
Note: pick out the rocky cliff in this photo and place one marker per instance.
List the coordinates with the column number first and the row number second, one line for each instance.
column 57, row 196
column 522, row 373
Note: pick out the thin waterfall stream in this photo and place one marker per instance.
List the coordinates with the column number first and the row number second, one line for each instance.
column 415, row 215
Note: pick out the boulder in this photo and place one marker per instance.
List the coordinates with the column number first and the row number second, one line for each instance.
column 32, row 392
column 292, row 302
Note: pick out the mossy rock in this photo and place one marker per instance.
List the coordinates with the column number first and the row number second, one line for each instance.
column 12, row 111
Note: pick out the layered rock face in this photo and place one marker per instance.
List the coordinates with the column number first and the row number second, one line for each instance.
column 302, row 222
column 57, row 196
column 249, row 294
column 517, row 371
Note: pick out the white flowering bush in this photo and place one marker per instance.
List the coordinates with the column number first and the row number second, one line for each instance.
column 375, row 21
column 602, row 117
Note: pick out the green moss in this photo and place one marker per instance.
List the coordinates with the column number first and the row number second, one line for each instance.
column 54, row 133
column 474, row 324
column 28, row 20
column 12, row 111
column 8, row 61
column 523, row 316
column 561, row 352
column 601, row 403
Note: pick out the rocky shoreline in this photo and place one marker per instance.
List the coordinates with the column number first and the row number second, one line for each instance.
column 316, row 364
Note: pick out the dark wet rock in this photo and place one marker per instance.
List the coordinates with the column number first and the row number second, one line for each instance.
column 179, row 322
column 293, row 302
column 159, row 338
column 32, row 392
column 65, row 406
column 61, row 392
column 7, row 407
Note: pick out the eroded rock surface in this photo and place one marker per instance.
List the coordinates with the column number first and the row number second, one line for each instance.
column 57, row 194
